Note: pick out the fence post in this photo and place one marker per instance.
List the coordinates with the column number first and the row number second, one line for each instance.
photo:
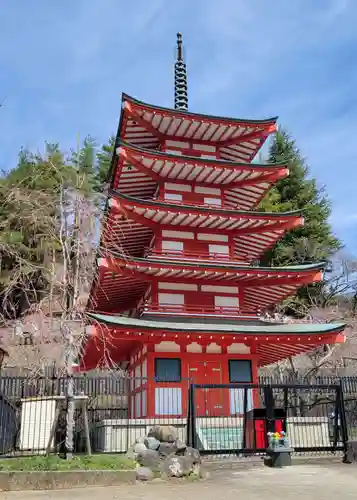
column 343, row 421
column 189, row 418
column 269, row 406
column 192, row 435
column 245, row 409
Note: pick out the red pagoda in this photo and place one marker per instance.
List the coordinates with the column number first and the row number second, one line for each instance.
column 178, row 294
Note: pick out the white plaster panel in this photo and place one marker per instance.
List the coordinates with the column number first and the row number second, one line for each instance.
column 178, row 286
column 207, row 190
column 218, row 249
column 212, row 237
column 144, row 369
column 173, row 152
column 224, row 301
column 168, row 401
column 204, row 147
column 173, row 196
column 178, row 144
column 138, row 405
column 180, row 234
column 171, row 298
column 194, row 347
column 172, row 245
column 178, row 187
column 238, row 349
column 137, row 375
column 236, row 400
column 218, row 289
column 213, row 348
column 167, row 346
column 217, row 202
column 144, row 403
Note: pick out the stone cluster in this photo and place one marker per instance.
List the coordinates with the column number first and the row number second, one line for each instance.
column 162, row 454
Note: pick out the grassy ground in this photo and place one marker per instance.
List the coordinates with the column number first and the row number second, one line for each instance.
column 53, row 462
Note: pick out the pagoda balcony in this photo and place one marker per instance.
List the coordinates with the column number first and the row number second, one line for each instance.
column 196, row 310
column 188, row 255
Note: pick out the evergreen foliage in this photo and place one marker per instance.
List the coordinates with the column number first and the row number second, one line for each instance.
column 314, row 241
column 31, row 194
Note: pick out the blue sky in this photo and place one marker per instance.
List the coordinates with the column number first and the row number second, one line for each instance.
column 64, row 64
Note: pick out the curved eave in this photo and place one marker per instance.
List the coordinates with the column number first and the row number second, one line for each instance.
column 303, row 329
column 233, row 165
column 132, row 223
column 196, row 209
column 271, row 342
column 193, row 116
column 124, row 282
column 257, row 270
column 150, row 126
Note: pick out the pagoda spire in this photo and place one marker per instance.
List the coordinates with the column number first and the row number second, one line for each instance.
column 181, row 98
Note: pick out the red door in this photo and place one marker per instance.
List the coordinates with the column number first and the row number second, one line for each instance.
column 209, row 402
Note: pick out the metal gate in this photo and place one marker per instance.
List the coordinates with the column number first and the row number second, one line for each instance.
column 312, row 416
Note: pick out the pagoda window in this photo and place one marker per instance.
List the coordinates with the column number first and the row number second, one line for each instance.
column 167, row 370
column 217, row 202
column 218, row 250
column 173, row 196
column 240, row 371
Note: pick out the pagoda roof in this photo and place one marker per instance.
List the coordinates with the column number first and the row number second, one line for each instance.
column 146, row 125
column 254, row 232
column 272, row 341
column 141, row 170
column 124, row 280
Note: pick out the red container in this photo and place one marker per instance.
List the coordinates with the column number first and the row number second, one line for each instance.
column 256, row 433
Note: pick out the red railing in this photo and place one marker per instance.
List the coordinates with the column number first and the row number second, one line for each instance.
column 198, row 310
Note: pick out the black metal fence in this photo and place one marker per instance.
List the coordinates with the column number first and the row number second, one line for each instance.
column 319, row 415
column 227, row 418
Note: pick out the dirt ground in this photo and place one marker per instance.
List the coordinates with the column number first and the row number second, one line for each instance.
column 309, row 481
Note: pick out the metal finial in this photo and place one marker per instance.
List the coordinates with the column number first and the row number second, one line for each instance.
column 179, row 47
column 181, row 98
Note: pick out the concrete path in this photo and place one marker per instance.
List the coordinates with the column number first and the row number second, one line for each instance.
column 310, row 482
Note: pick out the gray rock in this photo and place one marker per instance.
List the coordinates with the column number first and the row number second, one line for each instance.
column 149, row 458
column 164, row 433
column 152, row 443
column 139, row 447
column 131, row 454
column 180, row 446
column 166, row 449
column 177, row 466
column 144, row 474
column 193, row 454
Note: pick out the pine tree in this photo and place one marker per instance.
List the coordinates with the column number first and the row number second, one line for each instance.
column 314, row 241
column 104, row 160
